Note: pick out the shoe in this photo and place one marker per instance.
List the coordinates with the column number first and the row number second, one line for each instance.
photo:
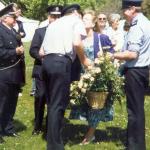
column 87, row 141
column 36, row 132
column 1, row 140
column 32, row 93
column 12, row 134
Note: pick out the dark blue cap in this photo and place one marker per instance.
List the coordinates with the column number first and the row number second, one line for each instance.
column 8, row 10
column 54, row 9
column 70, row 8
column 129, row 3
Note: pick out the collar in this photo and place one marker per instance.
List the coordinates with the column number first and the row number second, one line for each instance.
column 135, row 19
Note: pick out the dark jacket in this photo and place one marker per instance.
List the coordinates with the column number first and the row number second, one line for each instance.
column 9, row 57
column 105, row 43
column 20, row 28
column 34, row 50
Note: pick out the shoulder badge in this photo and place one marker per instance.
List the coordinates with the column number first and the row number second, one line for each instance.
column 134, row 23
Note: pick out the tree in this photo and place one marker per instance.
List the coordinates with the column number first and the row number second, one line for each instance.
column 35, row 9
column 146, row 8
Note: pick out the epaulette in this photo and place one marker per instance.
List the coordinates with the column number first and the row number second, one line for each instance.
column 134, row 23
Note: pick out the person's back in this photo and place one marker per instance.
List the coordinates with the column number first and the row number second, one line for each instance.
column 61, row 35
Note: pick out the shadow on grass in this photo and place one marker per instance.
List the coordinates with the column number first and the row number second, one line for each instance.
column 19, row 126
column 74, row 134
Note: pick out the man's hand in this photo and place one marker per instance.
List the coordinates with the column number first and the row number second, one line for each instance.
column 41, row 52
column 20, row 50
column 87, row 63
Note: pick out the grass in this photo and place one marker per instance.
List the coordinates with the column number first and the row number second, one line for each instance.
column 109, row 135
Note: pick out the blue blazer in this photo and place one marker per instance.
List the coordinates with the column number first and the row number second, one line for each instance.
column 105, row 42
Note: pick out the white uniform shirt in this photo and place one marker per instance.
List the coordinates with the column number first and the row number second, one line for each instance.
column 59, row 35
column 138, row 40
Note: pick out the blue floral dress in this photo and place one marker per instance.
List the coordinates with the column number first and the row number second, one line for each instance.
column 85, row 112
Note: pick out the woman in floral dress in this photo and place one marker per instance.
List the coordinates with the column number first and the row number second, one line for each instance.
column 93, row 44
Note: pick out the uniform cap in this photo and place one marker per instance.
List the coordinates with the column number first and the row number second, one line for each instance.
column 8, row 11
column 128, row 3
column 69, row 8
column 54, row 9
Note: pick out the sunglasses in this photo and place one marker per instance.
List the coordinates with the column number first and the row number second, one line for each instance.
column 102, row 19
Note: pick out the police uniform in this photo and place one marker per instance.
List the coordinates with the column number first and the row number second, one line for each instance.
column 40, row 99
column 40, row 94
column 136, row 77
column 11, row 75
column 57, row 63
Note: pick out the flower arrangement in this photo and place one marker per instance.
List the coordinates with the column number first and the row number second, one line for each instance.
column 103, row 76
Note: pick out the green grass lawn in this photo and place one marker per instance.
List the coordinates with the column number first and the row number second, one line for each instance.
column 109, row 135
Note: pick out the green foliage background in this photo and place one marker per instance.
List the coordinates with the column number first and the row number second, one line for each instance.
column 35, row 9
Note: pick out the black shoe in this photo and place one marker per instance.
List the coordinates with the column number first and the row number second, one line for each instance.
column 1, row 140
column 12, row 134
column 36, row 132
column 32, row 93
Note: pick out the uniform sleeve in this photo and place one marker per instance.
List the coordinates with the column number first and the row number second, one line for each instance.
column 22, row 30
column 35, row 46
column 79, row 28
column 134, row 40
column 6, row 54
column 79, row 32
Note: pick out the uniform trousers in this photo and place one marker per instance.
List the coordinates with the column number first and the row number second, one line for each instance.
column 8, row 103
column 136, row 82
column 39, row 103
column 57, row 71
column 76, row 69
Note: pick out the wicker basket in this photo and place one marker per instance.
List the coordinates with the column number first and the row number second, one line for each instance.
column 97, row 100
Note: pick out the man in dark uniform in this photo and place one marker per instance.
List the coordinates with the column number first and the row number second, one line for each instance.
column 136, row 53
column 54, row 12
column 11, row 74
column 60, row 38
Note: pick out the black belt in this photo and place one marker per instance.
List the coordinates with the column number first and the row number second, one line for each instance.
column 60, row 55
column 144, row 67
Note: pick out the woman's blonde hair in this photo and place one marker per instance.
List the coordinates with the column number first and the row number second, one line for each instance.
column 92, row 13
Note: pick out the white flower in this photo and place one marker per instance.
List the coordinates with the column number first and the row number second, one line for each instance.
column 85, row 85
column 86, row 76
column 72, row 101
column 80, row 84
column 116, row 64
column 101, row 59
column 92, row 78
column 97, row 70
column 83, row 90
column 96, row 61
